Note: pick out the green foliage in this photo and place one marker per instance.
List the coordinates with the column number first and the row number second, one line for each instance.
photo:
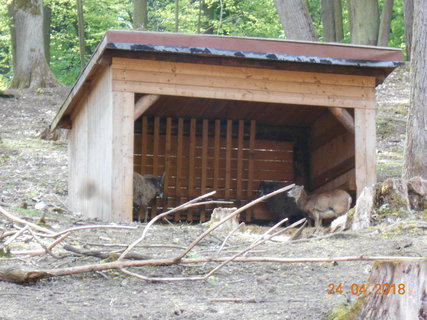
column 226, row 17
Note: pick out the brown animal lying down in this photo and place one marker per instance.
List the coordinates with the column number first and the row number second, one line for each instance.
column 321, row 206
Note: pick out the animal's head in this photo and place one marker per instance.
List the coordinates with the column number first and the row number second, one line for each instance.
column 296, row 192
column 268, row 187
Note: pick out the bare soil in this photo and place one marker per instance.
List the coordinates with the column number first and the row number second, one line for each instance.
column 34, row 171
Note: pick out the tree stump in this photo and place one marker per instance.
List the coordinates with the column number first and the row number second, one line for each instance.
column 361, row 218
column 417, row 193
column 220, row 213
column 396, row 291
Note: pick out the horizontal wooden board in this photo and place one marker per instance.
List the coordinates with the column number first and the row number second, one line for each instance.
column 240, row 72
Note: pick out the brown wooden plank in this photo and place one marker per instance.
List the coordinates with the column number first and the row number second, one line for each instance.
column 144, row 143
column 205, row 141
column 243, row 94
column 168, row 155
column 240, row 72
column 251, row 166
column 179, row 158
column 333, row 173
column 228, row 155
column 191, row 164
column 240, row 138
column 217, row 141
column 156, row 145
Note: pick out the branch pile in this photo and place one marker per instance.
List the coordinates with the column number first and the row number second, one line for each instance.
column 121, row 260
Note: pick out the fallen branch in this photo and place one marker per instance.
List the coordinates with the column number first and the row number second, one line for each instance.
column 22, row 275
column 24, row 222
column 104, row 255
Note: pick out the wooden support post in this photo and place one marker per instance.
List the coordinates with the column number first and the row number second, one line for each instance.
column 365, row 141
column 217, row 148
column 144, row 103
column 179, row 156
column 122, row 160
column 228, row 150
column 344, row 117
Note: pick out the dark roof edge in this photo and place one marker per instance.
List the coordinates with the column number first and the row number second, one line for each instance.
column 205, row 51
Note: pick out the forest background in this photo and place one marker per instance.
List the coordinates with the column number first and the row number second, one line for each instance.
column 258, row 18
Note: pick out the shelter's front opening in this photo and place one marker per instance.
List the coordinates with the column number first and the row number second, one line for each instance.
column 231, row 157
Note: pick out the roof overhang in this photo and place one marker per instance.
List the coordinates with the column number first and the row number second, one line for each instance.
column 379, row 61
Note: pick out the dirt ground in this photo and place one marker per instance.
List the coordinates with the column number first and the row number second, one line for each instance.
column 34, row 172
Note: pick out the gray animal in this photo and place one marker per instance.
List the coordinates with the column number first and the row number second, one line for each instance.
column 145, row 188
column 328, row 205
column 281, row 205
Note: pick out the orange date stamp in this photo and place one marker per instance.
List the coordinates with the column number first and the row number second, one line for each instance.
column 377, row 288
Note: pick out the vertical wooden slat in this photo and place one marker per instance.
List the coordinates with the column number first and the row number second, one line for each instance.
column 144, row 141
column 228, row 149
column 191, row 164
column 240, row 159
column 168, row 146
column 217, row 146
column 252, row 136
column 179, row 155
column 205, row 141
column 156, row 139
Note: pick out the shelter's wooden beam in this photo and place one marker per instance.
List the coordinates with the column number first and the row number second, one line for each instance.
column 144, row 103
column 365, row 140
column 344, row 117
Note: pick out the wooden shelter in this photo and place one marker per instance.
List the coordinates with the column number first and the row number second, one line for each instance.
column 219, row 113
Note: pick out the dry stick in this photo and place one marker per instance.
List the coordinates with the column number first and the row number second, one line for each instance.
column 47, row 250
column 22, row 221
column 181, row 207
column 256, row 243
column 40, row 252
column 228, row 237
column 16, row 235
column 241, row 209
column 28, row 275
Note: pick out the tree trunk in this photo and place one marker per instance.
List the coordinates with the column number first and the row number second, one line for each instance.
column 47, row 19
column 296, row 20
column 176, row 15
column 332, row 20
column 30, row 67
column 81, row 30
column 364, row 21
column 140, row 14
column 339, row 31
column 385, row 23
column 408, row 13
column 416, row 131
column 397, row 291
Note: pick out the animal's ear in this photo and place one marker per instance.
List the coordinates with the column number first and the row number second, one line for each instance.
column 162, row 179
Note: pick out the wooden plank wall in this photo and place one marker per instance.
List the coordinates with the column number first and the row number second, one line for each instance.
column 332, row 155
column 90, row 154
column 204, row 155
column 101, row 153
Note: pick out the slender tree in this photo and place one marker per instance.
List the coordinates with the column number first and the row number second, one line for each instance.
column 364, row 22
column 296, row 20
column 416, row 137
column 408, row 13
column 81, row 32
column 47, row 19
column 385, row 23
column 140, row 14
column 30, row 67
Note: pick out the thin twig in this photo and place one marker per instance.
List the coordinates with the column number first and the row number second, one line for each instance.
column 24, row 222
column 16, row 235
column 181, row 207
column 90, row 227
column 47, row 250
column 241, row 209
column 228, row 237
